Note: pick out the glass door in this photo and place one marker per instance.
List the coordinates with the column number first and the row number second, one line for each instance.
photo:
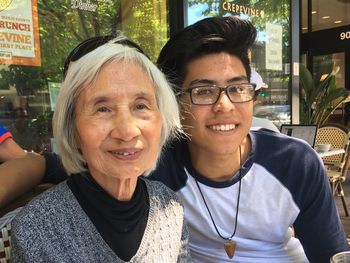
column 325, row 64
column 322, row 65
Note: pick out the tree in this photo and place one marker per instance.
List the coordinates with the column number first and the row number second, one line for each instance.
column 61, row 28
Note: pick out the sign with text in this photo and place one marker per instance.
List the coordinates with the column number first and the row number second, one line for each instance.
column 344, row 35
column 242, row 9
column 19, row 33
column 87, row 5
column 338, row 39
column 273, row 46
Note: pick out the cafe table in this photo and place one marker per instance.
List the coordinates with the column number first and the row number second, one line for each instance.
column 331, row 152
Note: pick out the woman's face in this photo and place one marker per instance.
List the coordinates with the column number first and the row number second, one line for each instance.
column 118, row 122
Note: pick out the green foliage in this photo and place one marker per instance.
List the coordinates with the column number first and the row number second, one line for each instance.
column 319, row 98
column 26, row 79
column 61, row 28
column 42, row 123
column 146, row 24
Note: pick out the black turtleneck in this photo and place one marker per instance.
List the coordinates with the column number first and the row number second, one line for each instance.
column 120, row 223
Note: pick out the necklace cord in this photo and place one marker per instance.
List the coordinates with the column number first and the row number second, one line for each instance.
column 238, row 199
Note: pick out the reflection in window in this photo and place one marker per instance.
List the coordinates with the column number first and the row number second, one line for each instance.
column 324, row 64
column 329, row 14
column 304, row 17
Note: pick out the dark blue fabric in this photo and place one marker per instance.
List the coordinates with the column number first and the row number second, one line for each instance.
column 4, row 134
column 170, row 169
column 54, row 171
column 2, row 130
column 297, row 167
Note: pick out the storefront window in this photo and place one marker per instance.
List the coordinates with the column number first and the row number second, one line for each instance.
column 304, row 25
column 35, row 38
column 330, row 14
column 270, row 55
column 325, row 64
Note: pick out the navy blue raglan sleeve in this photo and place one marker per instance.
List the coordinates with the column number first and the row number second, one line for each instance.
column 54, row 171
column 170, row 167
column 318, row 225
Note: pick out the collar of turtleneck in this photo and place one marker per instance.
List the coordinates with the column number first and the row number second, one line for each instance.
column 120, row 223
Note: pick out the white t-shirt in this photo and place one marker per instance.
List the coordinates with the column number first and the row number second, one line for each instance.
column 259, row 123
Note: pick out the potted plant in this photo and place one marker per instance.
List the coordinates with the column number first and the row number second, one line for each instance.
column 320, row 98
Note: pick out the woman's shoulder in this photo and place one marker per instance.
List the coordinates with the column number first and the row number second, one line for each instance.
column 165, row 207
column 157, row 186
column 44, row 207
column 160, row 190
column 52, row 195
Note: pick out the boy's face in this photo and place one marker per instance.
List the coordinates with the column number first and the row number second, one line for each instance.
column 219, row 128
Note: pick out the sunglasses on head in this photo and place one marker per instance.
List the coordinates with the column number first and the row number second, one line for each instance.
column 90, row 44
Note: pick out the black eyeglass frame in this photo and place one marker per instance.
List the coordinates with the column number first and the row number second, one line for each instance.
column 221, row 89
column 91, row 44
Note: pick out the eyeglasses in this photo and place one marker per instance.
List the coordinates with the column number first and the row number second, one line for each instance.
column 90, row 44
column 210, row 94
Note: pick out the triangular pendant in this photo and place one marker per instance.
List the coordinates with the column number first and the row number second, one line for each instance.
column 230, row 248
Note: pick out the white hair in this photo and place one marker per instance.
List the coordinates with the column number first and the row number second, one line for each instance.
column 83, row 72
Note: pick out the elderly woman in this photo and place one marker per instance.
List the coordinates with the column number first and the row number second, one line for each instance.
column 114, row 112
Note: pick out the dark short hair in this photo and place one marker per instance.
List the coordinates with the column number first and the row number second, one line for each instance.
column 232, row 35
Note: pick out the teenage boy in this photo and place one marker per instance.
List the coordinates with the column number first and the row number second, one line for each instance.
column 243, row 190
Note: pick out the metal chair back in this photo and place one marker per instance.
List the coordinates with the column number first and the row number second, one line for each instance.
column 338, row 137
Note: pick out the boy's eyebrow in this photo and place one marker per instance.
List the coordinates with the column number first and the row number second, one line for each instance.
column 202, row 81
column 212, row 82
column 238, row 78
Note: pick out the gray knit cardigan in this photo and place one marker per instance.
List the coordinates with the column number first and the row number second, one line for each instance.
column 54, row 228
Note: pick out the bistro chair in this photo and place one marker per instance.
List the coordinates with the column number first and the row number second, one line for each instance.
column 5, row 244
column 6, row 216
column 336, row 178
column 336, row 165
column 5, row 235
column 24, row 199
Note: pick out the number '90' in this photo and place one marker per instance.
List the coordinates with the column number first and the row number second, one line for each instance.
column 345, row 35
